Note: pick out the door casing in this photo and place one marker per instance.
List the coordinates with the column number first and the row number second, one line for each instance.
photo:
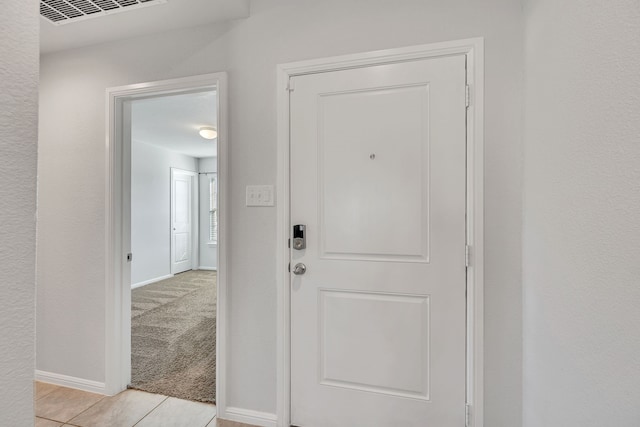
column 118, row 224
column 473, row 49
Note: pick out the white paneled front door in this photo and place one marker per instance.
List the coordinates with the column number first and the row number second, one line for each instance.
column 181, row 220
column 378, row 179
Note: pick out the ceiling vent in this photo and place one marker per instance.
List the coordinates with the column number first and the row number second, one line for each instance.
column 61, row 12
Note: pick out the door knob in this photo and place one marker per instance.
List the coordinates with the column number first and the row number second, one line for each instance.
column 299, row 269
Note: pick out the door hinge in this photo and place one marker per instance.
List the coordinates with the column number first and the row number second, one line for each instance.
column 291, row 85
column 129, row 257
column 467, row 96
column 289, row 243
column 467, row 256
column 289, row 267
column 467, row 415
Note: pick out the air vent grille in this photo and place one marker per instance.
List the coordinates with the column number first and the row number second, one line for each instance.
column 67, row 11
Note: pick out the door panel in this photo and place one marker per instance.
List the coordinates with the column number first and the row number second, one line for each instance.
column 357, row 363
column 357, row 192
column 378, row 178
column 181, row 243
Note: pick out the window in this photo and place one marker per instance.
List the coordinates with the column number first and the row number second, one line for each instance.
column 213, row 209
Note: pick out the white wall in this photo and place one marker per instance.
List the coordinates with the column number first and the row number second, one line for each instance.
column 18, row 138
column 582, row 214
column 73, row 85
column 208, row 252
column 151, row 208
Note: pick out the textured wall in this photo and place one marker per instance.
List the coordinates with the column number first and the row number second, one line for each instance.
column 582, row 214
column 71, row 195
column 18, row 138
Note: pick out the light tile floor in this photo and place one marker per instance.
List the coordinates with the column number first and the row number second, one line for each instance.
column 60, row 406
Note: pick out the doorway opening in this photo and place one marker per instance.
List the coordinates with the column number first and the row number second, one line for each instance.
column 173, row 270
column 166, row 236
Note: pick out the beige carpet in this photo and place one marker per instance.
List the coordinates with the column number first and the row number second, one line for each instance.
column 173, row 336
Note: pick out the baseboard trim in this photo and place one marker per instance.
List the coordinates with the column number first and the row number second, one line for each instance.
column 71, row 382
column 248, row 416
column 148, row 282
column 208, row 268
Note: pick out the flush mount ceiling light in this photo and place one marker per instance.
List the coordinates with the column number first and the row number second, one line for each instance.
column 208, row 132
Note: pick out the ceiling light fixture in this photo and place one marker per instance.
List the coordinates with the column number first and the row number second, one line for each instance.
column 208, row 132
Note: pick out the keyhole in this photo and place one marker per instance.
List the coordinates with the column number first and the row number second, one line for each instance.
column 372, row 156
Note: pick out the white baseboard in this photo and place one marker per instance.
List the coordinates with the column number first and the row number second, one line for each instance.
column 208, row 268
column 71, row 382
column 148, row 282
column 247, row 416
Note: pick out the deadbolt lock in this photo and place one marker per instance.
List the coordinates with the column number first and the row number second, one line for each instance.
column 299, row 237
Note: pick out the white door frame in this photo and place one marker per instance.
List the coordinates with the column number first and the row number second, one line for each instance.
column 118, row 224
column 195, row 213
column 473, row 49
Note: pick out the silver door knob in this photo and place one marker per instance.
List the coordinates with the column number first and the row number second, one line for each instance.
column 299, row 269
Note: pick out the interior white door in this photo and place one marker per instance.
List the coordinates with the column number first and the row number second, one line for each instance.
column 181, row 220
column 378, row 178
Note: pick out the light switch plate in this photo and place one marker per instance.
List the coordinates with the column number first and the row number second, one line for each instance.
column 260, row 195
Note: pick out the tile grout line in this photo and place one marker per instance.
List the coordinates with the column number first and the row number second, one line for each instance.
column 82, row 412
column 49, row 419
column 47, row 394
column 147, row 414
